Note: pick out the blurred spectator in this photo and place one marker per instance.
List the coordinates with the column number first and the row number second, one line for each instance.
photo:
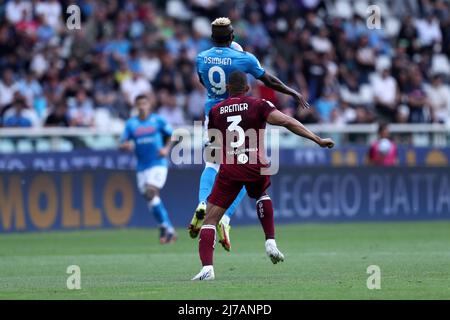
column 58, row 117
column 167, row 77
column 30, row 88
column 195, row 101
column 383, row 152
column 19, row 115
column 169, row 109
column 179, row 41
column 329, row 100
column 315, row 72
column 18, row 10
column 354, row 28
column 429, row 31
column 307, row 115
column 438, row 94
column 356, row 94
column 7, row 88
column 135, row 86
column 107, row 96
column 51, row 12
column 81, row 110
column 257, row 35
column 150, row 64
column 386, row 95
column 417, row 99
column 365, row 58
column 321, row 42
column 408, row 35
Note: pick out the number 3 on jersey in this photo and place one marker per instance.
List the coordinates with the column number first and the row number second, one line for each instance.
column 234, row 126
column 220, row 87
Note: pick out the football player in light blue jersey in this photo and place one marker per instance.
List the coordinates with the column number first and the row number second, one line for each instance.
column 150, row 134
column 213, row 68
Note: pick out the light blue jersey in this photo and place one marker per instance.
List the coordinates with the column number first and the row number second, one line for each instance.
column 148, row 137
column 216, row 64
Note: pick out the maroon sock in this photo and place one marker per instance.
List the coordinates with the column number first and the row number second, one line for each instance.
column 206, row 244
column 264, row 209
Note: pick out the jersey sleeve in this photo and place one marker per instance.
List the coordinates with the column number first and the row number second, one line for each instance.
column 126, row 134
column 265, row 108
column 253, row 66
column 165, row 128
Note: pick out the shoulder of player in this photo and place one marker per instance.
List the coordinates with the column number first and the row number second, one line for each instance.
column 204, row 52
column 254, row 101
column 131, row 121
column 217, row 106
column 158, row 118
column 246, row 54
column 242, row 55
column 215, row 109
column 266, row 102
column 200, row 56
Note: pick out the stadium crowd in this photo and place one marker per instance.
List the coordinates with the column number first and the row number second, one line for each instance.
column 54, row 76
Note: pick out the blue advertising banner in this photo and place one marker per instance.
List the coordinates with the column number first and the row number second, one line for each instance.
column 305, row 156
column 40, row 201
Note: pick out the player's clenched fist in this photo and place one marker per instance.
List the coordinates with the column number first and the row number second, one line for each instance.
column 326, row 143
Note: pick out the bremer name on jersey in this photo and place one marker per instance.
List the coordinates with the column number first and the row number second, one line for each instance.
column 241, row 121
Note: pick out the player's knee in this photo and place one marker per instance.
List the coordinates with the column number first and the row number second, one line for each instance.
column 151, row 193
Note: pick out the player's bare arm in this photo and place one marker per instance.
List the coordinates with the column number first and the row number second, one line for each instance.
column 126, row 146
column 164, row 151
column 276, row 84
column 280, row 119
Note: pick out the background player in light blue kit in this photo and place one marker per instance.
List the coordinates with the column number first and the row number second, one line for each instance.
column 213, row 67
column 151, row 136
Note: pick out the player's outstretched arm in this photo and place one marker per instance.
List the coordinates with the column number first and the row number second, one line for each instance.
column 168, row 144
column 126, row 146
column 278, row 118
column 276, row 84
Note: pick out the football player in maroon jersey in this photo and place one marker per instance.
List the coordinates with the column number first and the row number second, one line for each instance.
column 236, row 126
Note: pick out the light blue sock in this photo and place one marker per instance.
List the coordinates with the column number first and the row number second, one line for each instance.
column 206, row 183
column 232, row 209
column 160, row 213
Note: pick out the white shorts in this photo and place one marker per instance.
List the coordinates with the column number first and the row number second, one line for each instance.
column 155, row 176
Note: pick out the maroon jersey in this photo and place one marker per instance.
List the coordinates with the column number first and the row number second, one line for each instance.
column 241, row 121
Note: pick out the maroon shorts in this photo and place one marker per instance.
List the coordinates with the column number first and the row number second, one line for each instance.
column 225, row 190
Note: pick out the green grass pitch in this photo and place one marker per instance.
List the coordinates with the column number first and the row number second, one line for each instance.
column 323, row 261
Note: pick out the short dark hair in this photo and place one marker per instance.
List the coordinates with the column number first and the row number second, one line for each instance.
column 382, row 126
column 139, row 97
column 237, row 81
column 221, row 30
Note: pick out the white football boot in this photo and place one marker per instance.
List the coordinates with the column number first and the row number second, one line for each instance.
column 272, row 251
column 207, row 273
